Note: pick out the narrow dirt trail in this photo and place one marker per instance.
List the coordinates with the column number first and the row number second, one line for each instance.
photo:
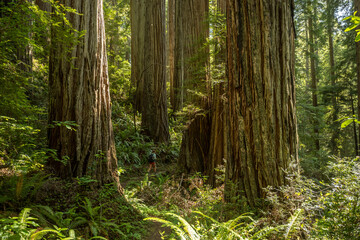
column 156, row 230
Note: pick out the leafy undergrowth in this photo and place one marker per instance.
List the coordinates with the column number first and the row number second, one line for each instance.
column 304, row 209
column 41, row 207
column 59, row 209
column 34, row 205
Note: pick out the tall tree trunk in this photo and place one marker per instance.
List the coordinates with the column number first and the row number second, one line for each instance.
column 171, row 34
column 137, row 15
column 218, row 148
column 335, row 125
column 191, row 57
column 79, row 92
column 357, row 8
column 149, row 66
column 262, row 130
column 191, row 85
column 313, row 81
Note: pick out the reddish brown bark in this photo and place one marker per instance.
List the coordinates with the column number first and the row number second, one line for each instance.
column 149, row 66
column 79, row 92
column 261, row 91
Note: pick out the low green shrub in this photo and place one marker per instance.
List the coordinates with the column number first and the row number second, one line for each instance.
column 340, row 202
column 205, row 227
column 19, row 190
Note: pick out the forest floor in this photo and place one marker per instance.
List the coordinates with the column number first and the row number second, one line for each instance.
column 156, row 231
column 139, row 178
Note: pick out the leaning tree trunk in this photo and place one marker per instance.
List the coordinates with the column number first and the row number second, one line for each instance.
column 149, row 66
column 262, row 130
column 79, row 92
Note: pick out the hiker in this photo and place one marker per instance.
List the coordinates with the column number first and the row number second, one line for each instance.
column 152, row 161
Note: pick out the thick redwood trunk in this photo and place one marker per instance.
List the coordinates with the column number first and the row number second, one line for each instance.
column 218, row 150
column 195, row 144
column 79, row 92
column 190, row 81
column 149, row 66
column 262, row 130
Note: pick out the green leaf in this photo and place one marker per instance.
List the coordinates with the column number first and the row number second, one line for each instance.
column 351, row 27
column 357, row 37
column 346, row 123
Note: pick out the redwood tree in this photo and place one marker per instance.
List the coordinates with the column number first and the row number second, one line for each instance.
column 261, row 90
column 190, row 79
column 313, row 68
column 190, row 84
column 79, row 92
column 148, row 63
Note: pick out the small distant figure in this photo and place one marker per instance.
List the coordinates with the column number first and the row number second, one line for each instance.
column 152, row 161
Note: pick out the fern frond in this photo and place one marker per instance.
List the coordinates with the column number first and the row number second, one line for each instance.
column 39, row 235
column 263, row 232
column 223, row 226
column 232, row 224
column 191, row 232
column 98, row 237
column 292, row 222
column 78, row 222
column 24, row 216
column 169, row 224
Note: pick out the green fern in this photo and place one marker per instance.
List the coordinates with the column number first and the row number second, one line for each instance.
column 294, row 219
column 66, row 220
column 20, row 227
column 242, row 227
column 39, row 235
column 171, row 225
column 95, row 220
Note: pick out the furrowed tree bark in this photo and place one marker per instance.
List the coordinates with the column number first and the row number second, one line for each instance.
column 79, row 92
column 218, row 150
column 149, row 73
column 261, row 88
column 190, row 81
column 191, row 84
column 137, row 15
column 194, row 149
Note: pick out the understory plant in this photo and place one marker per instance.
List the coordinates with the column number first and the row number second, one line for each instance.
column 205, row 227
column 25, row 227
column 339, row 217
